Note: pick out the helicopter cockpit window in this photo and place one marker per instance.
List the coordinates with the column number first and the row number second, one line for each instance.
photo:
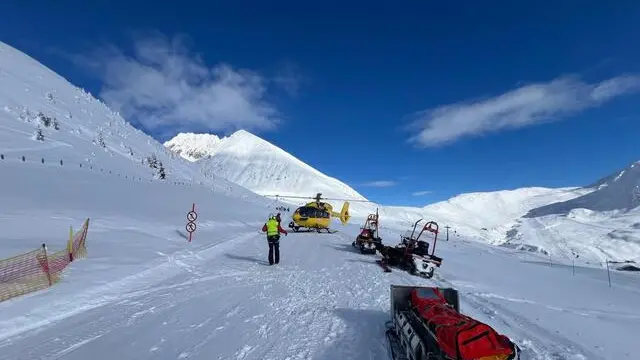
column 307, row 212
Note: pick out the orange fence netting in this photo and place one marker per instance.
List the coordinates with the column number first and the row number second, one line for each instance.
column 39, row 269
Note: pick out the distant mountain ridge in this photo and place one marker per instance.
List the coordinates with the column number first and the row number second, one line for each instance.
column 620, row 191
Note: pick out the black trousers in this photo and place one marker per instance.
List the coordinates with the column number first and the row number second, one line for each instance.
column 274, row 246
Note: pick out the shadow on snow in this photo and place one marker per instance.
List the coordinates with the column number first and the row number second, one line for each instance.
column 363, row 338
column 251, row 259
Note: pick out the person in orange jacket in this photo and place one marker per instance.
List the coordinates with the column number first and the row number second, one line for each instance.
column 273, row 229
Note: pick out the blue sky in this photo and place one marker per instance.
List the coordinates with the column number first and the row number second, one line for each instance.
column 409, row 104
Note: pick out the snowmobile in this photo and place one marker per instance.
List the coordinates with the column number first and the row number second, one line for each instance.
column 427, row 324
column 368, row 238
column 412, row 254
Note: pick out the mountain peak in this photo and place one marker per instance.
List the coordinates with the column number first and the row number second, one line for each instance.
column 257, row 164
column 245, row 134
column 193, row 146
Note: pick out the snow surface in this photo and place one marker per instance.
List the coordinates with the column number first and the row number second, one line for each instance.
column 144, row 292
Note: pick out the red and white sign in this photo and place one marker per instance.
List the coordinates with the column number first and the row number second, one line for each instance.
column 191, row 221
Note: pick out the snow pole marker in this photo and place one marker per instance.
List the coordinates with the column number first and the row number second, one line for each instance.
column 191, row 218
column 608, row 273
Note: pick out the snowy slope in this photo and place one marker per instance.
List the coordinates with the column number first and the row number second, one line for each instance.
column 602, row 225
column 145, row 293
column 488, row 215
column 89, row 133
column 619, row 192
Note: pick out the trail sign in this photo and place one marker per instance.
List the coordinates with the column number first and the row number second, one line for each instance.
column 191, row 218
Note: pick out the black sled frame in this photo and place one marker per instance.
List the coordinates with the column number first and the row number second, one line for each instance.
column 408, row 338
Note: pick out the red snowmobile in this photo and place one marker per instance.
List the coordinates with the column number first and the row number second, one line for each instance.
column 427, row 325
column 368, row 238
column 412, row 254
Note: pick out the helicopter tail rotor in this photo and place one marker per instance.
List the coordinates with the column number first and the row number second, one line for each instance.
column 344, row 213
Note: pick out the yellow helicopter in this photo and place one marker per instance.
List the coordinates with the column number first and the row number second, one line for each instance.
column 316, row 215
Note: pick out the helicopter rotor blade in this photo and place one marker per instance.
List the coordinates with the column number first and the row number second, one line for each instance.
column 321, row 198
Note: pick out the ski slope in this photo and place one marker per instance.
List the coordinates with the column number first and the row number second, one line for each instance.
column 144, row 292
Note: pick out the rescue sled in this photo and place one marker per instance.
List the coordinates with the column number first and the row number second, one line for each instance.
column 412, row 253
column 427, row 324
column 368, row 238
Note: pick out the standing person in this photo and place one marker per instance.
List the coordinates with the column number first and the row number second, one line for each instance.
column 278, row 218
column 273, row 229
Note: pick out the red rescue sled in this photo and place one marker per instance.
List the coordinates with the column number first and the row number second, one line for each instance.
column 427, row 324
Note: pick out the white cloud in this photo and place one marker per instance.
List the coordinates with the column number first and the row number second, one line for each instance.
column 421, row 193
column 525, row 106
column 380, row 183
column 164, row 87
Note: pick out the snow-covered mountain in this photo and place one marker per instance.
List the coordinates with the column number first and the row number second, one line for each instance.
column 602, row 224
column 488, row 215
column 43, row 117
column 194, row 147
column 264, row 168
column 618, row 192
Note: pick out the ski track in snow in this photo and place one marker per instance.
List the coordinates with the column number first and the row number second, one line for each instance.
column 194, row 313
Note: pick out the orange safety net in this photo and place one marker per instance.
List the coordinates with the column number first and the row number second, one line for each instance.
column 23, row 274
column 38, row 269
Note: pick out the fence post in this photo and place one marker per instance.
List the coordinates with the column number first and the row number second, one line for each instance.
column 608, row 273
column 574, row 267
column 46, row 263
column 70, row 244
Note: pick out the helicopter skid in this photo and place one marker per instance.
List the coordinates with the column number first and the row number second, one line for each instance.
column 309, row 230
